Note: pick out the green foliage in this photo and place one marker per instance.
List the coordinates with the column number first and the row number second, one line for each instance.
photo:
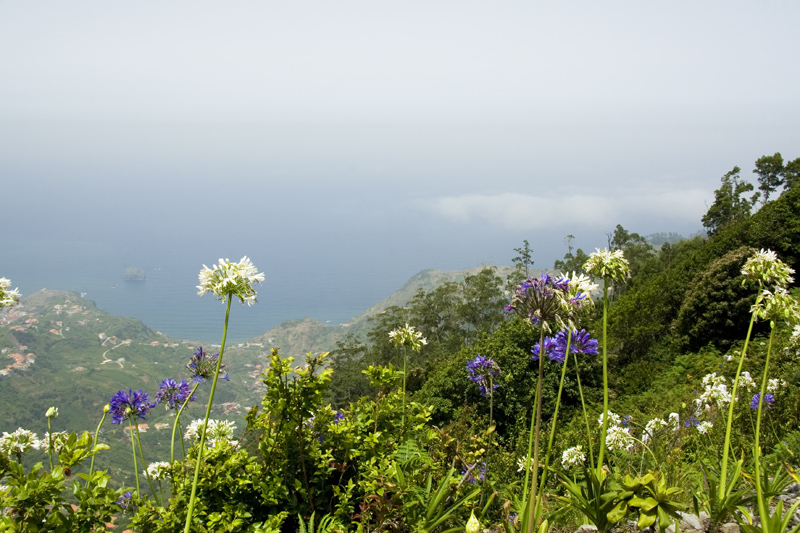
column 729, row 204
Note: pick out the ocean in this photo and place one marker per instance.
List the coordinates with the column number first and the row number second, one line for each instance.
column 168, row 302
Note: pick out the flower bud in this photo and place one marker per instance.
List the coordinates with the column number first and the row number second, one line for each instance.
column 107, row 408
column 473, row 526
column 52, row 412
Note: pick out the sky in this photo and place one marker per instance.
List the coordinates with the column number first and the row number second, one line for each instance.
column 395, row 136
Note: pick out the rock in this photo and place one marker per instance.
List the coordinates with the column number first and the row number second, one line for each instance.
column 586, row 528
column 134, row 274
column 730, row 528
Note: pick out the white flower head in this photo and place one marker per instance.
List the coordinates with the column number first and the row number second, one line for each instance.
column 58, row 438
column 618, row 438
column 521, row 462
column 652, row 428
column 777, row 305
column 746, row 381
column 216, row 431
column 573, row 457
column 158, row 471
column 231, row 279
column 580, row 283
column 19, row 442
column 716, row 391
column 704, row 427
column 52, row 413
column 608, row 265
column 8, row 297
column 614, row 420
column 408, row 336
column 774, row 384
column 674, row 421
column 766, row 269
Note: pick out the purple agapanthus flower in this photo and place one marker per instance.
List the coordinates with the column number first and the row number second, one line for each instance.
column 338, row 417
column 203, row 366
column 546, row 299
column 477, row 474
column 122, row 402
column 126, row 502
column 483, row 371
column 581, row 342
column 549, row 349
column 174, row 393
column 769, row 399
column 691, row 421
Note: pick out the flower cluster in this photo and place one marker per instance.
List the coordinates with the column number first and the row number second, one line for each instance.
column 124, row 404
column 776, row 305
column 651, row 428
column 746, row 381
column 618, row 438
column 8, row 297
column 613, row 419
column 573, row 457
column 58, row 439
column 231, row 279
column 483, row 371
column 216, row 431
column 126, row 503
column 766, row 269
column 704, row 427
column 478, row 473
column 174, row 394
column 774, row 384
column 715, row 392
column 158, row 471
column 547, row 300
column 408, row 336
column 202, row 366
column 769, row 399
column 52, row 413
column 555, row 348
column 608, row 265
column 19, row 442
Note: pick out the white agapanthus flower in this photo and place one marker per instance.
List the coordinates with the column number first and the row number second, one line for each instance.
column 765, row 268
column 216, row 431
column 746, row 381
column 607, row 264
column 573, row 457
column 8, row 297
column 580, row 283
column 613, row 420
column 521, row 462
column 19, row 442
column 651, row 428
column 234, row 279
column 158, row 471
column 674, row 421
column 795, row 338
column 58, row 438
column 704, row 427
column 408, row 336
column 716, row 391
column 774, row 384
column 619, row 438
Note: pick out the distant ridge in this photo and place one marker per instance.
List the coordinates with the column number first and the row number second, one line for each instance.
column 298, row 337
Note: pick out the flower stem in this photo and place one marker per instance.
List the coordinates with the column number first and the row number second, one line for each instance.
column 176, row 425
column 201, row 446
column 94, row 442
column 146, row 474
column 49, row 443
column 555, row 419
column 532, row 511
column 405, row 360
column 604, row 431
column 763, row 507
column 135, row 466
column 585, row 416
column 723, row 473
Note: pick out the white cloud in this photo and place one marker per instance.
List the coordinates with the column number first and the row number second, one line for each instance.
column 530, row 211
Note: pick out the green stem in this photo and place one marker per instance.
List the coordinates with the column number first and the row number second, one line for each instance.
column 723, row 474
column 135, row 466
column 532, row 496
column 176, row 425
column 49, row 443
column 146, row 475
column 405, row 359
column 585, row 415
column 604, row 431
column 763, row 508
column 201, row 446
column 94, row 443
column 555, row 419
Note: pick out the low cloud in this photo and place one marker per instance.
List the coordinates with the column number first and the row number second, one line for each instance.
column 530, row 211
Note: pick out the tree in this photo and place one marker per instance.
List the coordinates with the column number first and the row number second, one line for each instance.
column 571, row 262
column 769, row 169
column 524, row 259
column 729, row 204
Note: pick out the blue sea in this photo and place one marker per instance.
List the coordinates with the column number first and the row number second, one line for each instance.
column 168, row 302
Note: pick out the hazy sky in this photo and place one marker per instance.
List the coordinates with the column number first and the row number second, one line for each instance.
column 400, row 135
